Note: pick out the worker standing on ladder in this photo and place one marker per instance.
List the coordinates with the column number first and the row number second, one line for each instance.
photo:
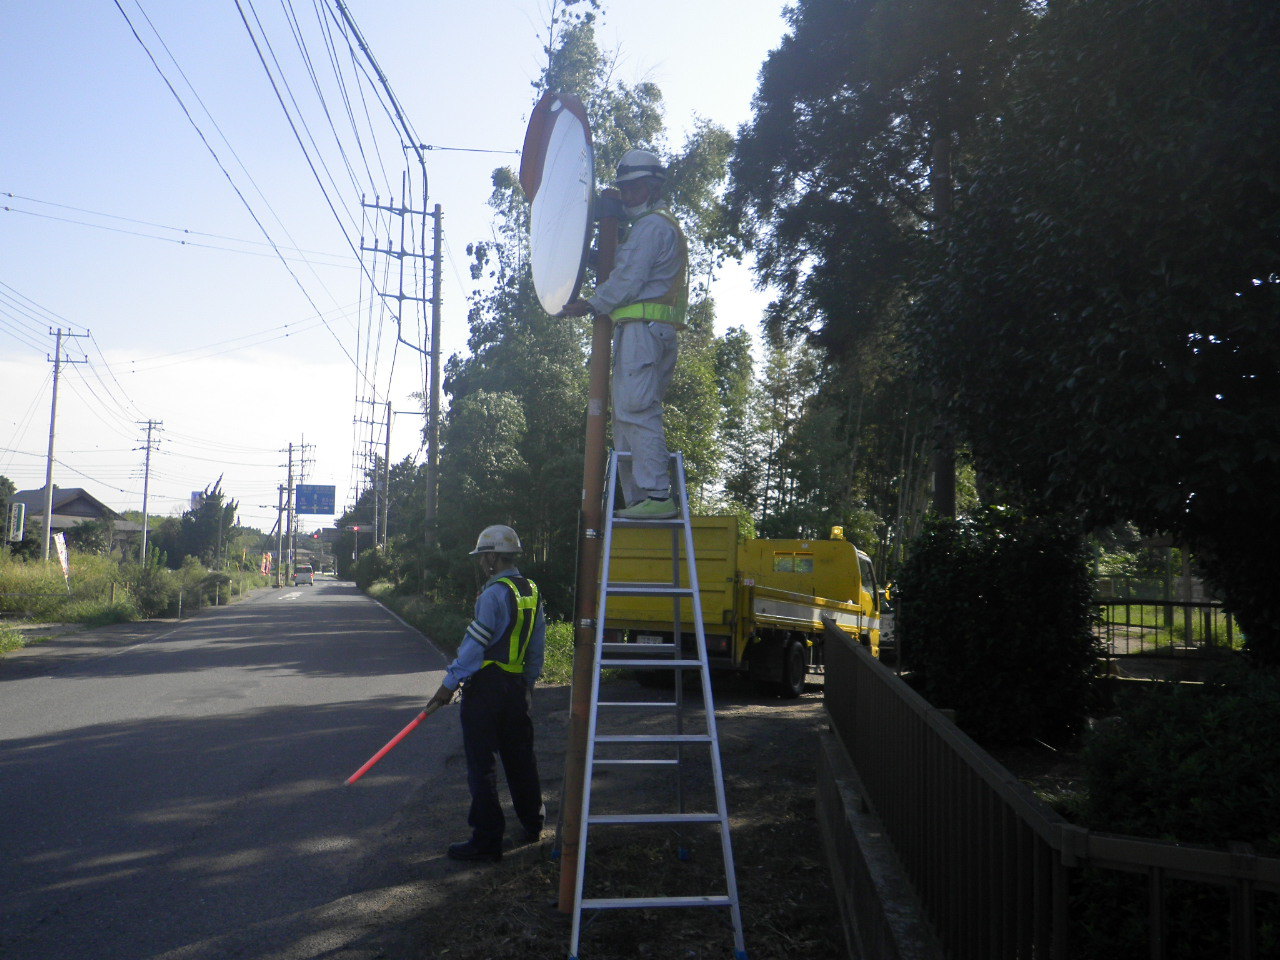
column 646, row 295
column 498, row 662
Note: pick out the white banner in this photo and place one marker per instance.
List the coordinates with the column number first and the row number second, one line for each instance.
column 60, row 541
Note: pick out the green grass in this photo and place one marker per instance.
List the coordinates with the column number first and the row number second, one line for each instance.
column 1150, row 624
column 10, row 639
column 558, row 666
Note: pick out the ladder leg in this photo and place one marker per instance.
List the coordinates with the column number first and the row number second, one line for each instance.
column 717, row 771
column 589, row 769
column 700, row 662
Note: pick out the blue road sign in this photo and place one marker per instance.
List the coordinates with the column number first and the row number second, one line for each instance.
column 314, row 498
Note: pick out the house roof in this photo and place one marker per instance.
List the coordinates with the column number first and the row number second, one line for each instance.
column 67, row 502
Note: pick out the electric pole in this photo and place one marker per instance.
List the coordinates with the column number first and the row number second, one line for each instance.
column 289, row 517
column 146, row 483
column 371, row 459
column 386, row 481
column 279, row 536
column 433, row 408
column 288, row 507
column 430, row 350
column 53, row 423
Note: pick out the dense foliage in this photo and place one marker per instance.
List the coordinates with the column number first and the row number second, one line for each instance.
column 1104, row 319
column 995, row 621
column 1192, row 765
column 1066, row 213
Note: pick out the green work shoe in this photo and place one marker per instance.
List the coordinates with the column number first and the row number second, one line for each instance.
column 649, row 509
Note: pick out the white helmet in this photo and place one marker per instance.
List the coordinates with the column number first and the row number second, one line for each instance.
column 497, row 539
column 638, row 164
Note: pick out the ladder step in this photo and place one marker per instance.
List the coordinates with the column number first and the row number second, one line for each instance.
column 654, row 739
column 614, row 903
column 634, row 647
column 636, row 588
column 656, row 663
column 636, row 703
column 669, row 522
column 636, row 763
column 621, row 818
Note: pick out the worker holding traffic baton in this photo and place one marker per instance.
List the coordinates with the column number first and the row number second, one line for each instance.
column 498, row 663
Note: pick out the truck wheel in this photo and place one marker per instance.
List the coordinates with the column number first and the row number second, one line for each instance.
column 793, row 671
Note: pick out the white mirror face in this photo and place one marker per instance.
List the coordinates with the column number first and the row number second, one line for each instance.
column 560, row 221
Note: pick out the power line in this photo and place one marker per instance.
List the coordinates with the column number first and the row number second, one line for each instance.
column 173, row 240
column 429, row 146
column 186, row 231
column 226, row 173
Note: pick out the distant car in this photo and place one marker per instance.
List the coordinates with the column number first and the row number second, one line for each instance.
column 303, row 575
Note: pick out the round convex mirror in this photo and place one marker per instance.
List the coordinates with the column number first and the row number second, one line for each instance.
column 557, row 169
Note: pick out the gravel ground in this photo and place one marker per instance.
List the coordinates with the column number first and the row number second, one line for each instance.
column 508, row 909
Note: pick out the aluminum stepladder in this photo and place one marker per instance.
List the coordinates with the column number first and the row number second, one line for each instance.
column 669, row 656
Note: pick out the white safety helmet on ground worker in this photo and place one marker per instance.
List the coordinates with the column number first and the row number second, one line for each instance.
column 497, row 539
column 638, row 164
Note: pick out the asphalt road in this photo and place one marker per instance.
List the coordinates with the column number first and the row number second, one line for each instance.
column 175, row 790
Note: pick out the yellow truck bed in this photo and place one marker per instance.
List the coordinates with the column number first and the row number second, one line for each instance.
column 763, row 601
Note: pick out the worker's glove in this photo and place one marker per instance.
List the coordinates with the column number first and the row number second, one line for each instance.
column 440, row 698
column 577, row 308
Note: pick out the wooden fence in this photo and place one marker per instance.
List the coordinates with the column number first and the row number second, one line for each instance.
column 994, row 867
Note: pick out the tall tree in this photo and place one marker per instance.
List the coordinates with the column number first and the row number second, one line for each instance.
column 201, row 532
column 844, row 178
column 845, row 169
column 537, row 361
column 1110, row 298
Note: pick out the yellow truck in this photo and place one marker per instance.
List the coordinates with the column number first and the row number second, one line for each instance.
column 763, row 601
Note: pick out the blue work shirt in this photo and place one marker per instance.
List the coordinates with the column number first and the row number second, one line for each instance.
column 492, row 617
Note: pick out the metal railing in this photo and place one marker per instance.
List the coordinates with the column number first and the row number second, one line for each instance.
column 995, row 868
column 1129, row 626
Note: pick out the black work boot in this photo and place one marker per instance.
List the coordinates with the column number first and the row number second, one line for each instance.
column 467, row 850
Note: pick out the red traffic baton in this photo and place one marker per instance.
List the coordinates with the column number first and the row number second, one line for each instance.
column 391, row 743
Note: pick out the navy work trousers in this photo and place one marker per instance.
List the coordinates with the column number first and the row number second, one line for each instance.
column 496, row 722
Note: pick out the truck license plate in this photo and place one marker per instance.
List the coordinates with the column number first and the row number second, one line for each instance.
column 648, row 638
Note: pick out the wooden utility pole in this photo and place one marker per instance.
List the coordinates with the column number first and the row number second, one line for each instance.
column 590, row 527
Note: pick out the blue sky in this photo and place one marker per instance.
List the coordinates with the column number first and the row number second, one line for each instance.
column 120, row 221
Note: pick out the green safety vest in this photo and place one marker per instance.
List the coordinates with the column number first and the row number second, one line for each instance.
column 514, row 640
column 672, row 306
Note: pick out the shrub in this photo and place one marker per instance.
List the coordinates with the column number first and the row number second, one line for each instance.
column 995, row 620
column 1197, row 765
column 370, row 567
column 1193, row 765
column 152, row 585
